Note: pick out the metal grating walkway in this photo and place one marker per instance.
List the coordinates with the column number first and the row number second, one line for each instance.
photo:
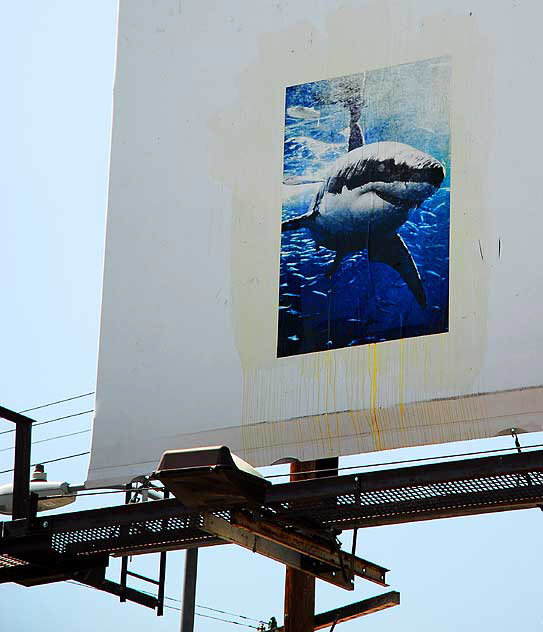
column 392, row 496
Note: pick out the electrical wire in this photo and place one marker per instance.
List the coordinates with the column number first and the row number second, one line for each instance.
column 232, row 614
column 48, row 421
column 59, row 401
column 208, row 616
column 198, row 614
column 103, row 493
column 418, row 460
column 351, row 467
column 69, row 434
column 82, row 495
column 62, row 458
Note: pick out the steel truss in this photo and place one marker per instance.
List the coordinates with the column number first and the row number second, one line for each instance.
column 297, row 523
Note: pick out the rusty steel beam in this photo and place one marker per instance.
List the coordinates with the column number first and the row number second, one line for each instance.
column 278, row 552
column 130, row 594
column 354, row 610
column 322, row 551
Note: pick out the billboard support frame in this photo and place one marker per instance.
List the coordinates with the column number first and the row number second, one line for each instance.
column 76, row 545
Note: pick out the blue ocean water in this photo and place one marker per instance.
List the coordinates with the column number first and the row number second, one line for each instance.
column 363, row 302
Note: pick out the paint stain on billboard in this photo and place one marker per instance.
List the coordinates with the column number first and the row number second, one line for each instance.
column 366, row 209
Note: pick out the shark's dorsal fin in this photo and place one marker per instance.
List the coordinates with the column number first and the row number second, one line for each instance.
column 356, row 137
column 394, row 253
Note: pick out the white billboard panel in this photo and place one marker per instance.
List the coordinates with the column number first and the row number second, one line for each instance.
column 323, row 229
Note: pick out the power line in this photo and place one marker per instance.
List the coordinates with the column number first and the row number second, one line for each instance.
column 233, row 614
column 59, row 401
column 62, row 458
column 208, row 616
column 198, row 614
column 62, row 436
column 428, row 458
column 82, row 495
column 111, row 491
column 352, row 467
column 48, row 421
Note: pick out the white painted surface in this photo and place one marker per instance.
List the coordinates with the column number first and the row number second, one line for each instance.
column 188, row 335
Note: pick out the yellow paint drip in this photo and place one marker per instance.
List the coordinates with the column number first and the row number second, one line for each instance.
column 374, row 419
column 401, row 378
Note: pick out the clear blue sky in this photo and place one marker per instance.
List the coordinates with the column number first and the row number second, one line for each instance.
column 57, row 57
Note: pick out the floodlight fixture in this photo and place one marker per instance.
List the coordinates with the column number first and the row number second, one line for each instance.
column 210, row 477
column 51, row 494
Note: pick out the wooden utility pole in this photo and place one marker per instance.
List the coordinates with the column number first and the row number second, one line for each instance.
column 299, row 586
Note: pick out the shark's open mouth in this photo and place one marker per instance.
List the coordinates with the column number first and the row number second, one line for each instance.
column 393, row 199
column 385, row 163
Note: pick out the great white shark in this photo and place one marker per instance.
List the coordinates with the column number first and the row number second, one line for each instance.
column 366, row 197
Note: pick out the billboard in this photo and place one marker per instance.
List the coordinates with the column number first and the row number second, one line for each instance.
column 322, row 231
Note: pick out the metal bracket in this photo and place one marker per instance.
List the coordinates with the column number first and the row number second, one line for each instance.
column 324, row 550
column 320, row 559
column 278, row 552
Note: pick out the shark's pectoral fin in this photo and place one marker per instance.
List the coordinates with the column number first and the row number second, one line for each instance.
column 294, row 223
column 394, row 253
column 332, row 269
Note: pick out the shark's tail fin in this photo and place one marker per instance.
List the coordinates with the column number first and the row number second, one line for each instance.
column 294, row 223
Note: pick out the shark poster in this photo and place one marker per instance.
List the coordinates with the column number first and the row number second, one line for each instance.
column 365, row 209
